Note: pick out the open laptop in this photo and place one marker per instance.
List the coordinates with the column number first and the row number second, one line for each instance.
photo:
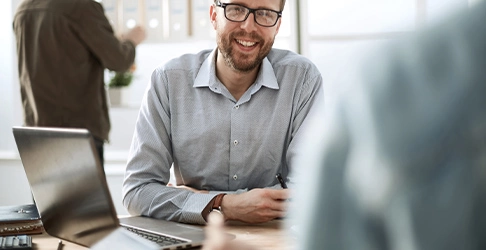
column 71, row 193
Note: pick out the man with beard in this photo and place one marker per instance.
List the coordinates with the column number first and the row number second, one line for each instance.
column 227, row 120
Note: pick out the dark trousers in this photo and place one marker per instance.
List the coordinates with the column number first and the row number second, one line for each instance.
column 99, row 147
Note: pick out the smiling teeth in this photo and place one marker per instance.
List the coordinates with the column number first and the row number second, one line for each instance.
column 246, row 44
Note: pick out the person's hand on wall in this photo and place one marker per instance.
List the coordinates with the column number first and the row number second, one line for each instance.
column 135, row 35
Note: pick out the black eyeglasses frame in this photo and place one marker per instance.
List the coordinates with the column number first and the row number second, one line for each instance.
column 250, row 10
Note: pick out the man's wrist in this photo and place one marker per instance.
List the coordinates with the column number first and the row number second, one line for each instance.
column 214, row 204
column 218, row 199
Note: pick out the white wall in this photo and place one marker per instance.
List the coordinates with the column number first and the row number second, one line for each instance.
column 9, row 104
column 13, row 182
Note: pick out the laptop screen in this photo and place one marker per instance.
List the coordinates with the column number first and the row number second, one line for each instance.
column 67, row 182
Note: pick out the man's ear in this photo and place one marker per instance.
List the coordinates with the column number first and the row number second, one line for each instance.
column 278, row 26
column 213, row 15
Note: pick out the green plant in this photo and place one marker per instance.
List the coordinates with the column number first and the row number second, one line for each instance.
column 121, row 79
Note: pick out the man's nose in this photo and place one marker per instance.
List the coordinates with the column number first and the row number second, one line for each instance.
column 249, row 24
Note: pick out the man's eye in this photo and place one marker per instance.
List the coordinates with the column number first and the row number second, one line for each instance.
column 238, row 9
column 264, row 13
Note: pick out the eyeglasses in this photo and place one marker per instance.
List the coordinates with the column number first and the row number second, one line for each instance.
column 239, row 13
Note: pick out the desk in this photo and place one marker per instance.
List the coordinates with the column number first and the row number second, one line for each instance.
column 267, row 236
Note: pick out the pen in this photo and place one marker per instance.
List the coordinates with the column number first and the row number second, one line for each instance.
column 59, row 246
column 280, row 179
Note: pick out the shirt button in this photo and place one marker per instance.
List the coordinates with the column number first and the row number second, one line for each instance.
column 235, row 142
column 235, row 177
column 237, row 106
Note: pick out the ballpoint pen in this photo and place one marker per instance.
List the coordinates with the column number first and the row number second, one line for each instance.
column 281, row 180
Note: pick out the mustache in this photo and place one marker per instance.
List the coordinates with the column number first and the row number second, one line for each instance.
column 252, row 35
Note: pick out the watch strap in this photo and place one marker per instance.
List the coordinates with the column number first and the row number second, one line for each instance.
column 217, row 201
column 214, row 204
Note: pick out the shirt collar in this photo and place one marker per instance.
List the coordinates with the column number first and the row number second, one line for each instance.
column 206, row 77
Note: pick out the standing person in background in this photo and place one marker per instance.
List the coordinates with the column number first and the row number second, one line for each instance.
column 227, row 119
column 63, row 49
column 400, row 162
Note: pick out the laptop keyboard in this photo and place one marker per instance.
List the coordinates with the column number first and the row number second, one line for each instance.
column 159, row 239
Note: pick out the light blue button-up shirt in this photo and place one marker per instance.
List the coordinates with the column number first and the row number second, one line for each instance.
column 189, row 119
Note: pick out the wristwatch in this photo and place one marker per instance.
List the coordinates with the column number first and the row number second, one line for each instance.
column 217, row 204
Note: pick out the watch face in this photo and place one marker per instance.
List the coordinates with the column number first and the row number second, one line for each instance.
column 217, row 210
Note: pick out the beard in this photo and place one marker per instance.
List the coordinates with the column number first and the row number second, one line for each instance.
column 239, row 61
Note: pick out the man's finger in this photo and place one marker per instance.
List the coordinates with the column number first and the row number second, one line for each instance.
column 214, row 231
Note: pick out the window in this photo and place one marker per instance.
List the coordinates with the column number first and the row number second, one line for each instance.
column 334, row 33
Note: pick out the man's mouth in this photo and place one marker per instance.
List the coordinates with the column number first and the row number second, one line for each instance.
column 245, row 43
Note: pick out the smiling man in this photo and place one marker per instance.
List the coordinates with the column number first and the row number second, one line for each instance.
column 227, row 120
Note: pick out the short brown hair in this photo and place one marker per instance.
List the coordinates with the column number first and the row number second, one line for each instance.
column 282, row 4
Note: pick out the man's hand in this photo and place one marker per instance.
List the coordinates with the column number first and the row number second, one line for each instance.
column 217, row 239
column 135, row 35
column 256, row 205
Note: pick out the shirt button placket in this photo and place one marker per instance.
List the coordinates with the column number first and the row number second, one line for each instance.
column 236, row 127
column 235, row 177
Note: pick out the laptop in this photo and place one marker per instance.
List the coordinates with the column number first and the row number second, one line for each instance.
column 69, row 187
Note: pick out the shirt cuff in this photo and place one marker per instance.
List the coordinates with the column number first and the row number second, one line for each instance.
column 195, row 204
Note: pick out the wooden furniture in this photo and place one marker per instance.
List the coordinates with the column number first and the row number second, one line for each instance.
column 267, row 236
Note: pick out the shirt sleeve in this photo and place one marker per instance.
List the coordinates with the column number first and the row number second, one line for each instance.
column 145, row 187
column 310, row 105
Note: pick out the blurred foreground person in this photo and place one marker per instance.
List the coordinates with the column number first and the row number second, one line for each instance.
column 399, row 162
